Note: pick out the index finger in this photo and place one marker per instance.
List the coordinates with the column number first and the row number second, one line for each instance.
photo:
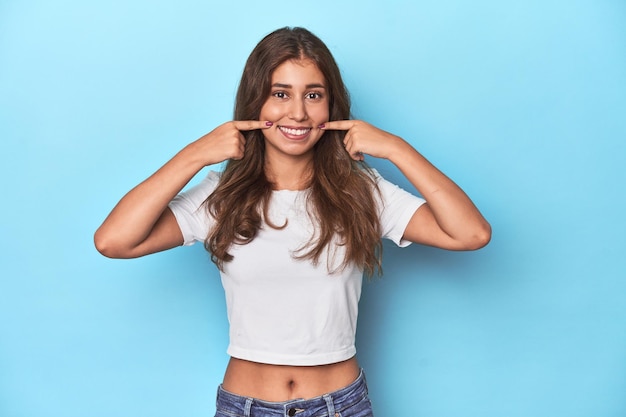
column 251, row 124
column 338, row 125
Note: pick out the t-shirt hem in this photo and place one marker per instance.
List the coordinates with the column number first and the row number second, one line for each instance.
column 404, row 220
column 292, row 360
column 184, row 226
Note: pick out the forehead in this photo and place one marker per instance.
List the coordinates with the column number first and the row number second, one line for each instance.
column 298, row 72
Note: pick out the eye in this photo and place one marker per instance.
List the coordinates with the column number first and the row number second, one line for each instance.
column 314, row 95
column 279, row 94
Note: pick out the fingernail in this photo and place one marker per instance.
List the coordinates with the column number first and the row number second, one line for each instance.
column 322, row 126
column 268, row 124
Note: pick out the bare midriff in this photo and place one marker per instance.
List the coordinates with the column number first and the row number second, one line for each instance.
column 284, row 383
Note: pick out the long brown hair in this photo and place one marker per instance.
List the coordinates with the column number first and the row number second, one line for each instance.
column 341, row 190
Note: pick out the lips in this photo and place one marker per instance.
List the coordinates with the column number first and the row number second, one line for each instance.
column 294, row 132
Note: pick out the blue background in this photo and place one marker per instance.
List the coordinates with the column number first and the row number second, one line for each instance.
column 522, row 103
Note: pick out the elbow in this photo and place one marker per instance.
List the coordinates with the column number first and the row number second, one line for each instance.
column 108, row 246
column 480, row 238
column 103, row 245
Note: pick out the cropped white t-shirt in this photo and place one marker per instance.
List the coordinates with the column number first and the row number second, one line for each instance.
column 281, row 310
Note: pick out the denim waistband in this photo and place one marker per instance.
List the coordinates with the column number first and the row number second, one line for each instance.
column 324, row 405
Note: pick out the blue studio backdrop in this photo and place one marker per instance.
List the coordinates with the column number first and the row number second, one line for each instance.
column 521, row 103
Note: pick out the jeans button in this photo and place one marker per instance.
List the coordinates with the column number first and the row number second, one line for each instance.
column 291, row 412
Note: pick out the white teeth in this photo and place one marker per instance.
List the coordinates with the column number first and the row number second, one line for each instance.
column 294, row 132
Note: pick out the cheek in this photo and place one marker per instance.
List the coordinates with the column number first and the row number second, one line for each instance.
column 320, row 114
column 270, row 112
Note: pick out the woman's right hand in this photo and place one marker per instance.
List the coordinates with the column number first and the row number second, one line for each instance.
column 225, row 141
column 141, row 222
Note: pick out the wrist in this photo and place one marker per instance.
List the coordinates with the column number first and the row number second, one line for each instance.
column 193, row 157
column 398, row 149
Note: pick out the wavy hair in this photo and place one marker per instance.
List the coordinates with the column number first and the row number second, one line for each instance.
column 340, row 195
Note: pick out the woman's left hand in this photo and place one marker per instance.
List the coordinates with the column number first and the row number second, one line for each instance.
column 364, row 138
column 449, row 219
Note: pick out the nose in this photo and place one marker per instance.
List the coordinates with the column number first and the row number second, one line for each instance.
column 297, row 111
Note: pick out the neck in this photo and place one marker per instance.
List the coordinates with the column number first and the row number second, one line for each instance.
column 289, row 173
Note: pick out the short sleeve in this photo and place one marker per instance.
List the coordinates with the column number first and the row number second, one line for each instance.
column 192, row 218
column 396, row 207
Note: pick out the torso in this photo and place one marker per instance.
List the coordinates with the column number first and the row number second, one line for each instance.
column 283, row 310
column 283, row 383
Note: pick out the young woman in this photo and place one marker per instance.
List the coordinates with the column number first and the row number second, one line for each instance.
column 292, row 222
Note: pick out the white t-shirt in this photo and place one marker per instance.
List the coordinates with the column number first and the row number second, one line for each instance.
column 281, row 310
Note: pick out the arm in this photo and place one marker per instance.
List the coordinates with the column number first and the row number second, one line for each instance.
column 141, row 223
column 449, row 219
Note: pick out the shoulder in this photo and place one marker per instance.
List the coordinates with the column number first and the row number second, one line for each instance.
column 195, row 195
column 212, row 179
column 389, row 193
column 206, row 186
column 377, row 179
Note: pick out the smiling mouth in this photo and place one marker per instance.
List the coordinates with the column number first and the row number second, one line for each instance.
column 294, row 131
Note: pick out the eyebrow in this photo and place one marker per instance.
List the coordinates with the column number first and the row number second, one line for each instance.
column 316, row 85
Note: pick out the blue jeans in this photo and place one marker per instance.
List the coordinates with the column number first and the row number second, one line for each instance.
column 351, row 401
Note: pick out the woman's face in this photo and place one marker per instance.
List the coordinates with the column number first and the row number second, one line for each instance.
column 297, row 105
